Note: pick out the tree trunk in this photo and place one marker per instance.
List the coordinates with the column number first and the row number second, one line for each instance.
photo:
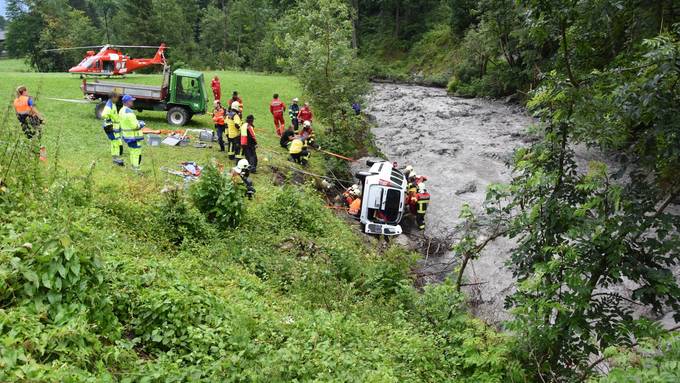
column 106, row 25
column 397, row 22
column 567, row 60
column 355, row 24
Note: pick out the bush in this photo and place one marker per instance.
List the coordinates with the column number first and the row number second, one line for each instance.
column 453, row 84
column 294, row 210
column 216, row 196
column 178, row 219
column 41, row 265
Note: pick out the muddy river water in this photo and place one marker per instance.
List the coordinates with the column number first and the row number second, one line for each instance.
column 462, row 146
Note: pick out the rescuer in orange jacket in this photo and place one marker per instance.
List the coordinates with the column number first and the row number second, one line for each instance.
column 277, row 108
column 249, row 143
column 352, row 198
column 218, row 118
column 305, row 114
column 216, row 88
column 27, row 114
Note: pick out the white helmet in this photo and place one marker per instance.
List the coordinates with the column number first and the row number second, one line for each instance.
column 408, row 169
column 356, row 190
column 296, row 99
column 235, row 105
column 421, row 187
column 307, row 124
column 242, row 164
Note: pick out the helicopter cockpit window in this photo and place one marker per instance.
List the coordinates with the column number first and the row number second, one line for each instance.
column 187, row 89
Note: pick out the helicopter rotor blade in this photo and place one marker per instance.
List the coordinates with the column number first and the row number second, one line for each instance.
column 71, row 48
column 137, row 46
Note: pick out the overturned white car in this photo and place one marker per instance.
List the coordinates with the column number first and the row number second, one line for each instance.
column 383, row 202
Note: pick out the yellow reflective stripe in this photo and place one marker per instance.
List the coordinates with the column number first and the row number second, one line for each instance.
column 421, row 205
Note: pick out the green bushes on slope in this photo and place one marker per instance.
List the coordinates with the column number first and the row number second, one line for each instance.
column 99, row 284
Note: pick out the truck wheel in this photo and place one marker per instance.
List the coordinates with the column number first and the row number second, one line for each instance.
column 98, row 109
column 178, row 116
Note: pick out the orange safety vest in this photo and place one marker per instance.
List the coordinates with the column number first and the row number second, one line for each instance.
column 355, row 207
column 218, row 117
column 21, row 105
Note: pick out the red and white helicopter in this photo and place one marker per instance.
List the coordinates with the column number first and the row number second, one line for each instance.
column 110, row 61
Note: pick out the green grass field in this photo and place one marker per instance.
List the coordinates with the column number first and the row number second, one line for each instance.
column 72, row 131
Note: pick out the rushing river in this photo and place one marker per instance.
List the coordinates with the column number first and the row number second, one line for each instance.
column 462, row 146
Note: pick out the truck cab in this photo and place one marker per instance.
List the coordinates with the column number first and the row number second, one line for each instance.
column 383, row 202
column 186, row 89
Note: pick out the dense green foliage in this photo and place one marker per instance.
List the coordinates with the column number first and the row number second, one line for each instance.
column 477, row 47
column 650, row 360
column 582, row 232
column 216, row 196
column 97, row 287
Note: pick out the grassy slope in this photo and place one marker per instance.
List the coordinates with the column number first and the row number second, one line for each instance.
column 293, row 293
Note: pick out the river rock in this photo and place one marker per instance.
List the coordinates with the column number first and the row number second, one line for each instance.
column 469, row 187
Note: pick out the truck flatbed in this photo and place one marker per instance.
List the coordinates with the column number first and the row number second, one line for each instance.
column 147, row 92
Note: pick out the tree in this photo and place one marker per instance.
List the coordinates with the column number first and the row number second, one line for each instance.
column 70, row 28
column 580, row 235
column 24, row 27
column 462, row 15
column 327, row 66
column 105, row 9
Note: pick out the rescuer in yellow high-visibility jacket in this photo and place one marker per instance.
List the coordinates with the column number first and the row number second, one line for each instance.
column 111, row 127
column 234, row 122
column 132, row 131
column 297, row 151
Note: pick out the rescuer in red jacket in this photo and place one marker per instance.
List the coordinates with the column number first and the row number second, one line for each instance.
column 305, row 114
column 277, row 108
column 216, row 88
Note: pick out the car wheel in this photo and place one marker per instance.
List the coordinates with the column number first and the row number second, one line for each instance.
column 177, row 116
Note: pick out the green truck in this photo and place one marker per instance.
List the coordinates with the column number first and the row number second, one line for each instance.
column 182, row 95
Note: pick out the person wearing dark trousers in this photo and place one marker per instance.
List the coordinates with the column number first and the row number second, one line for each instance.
column 293, row 112
column 287, row 137
column 218, row 118
column 249, row 143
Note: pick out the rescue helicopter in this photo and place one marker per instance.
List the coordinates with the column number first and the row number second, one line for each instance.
column 110, row 61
